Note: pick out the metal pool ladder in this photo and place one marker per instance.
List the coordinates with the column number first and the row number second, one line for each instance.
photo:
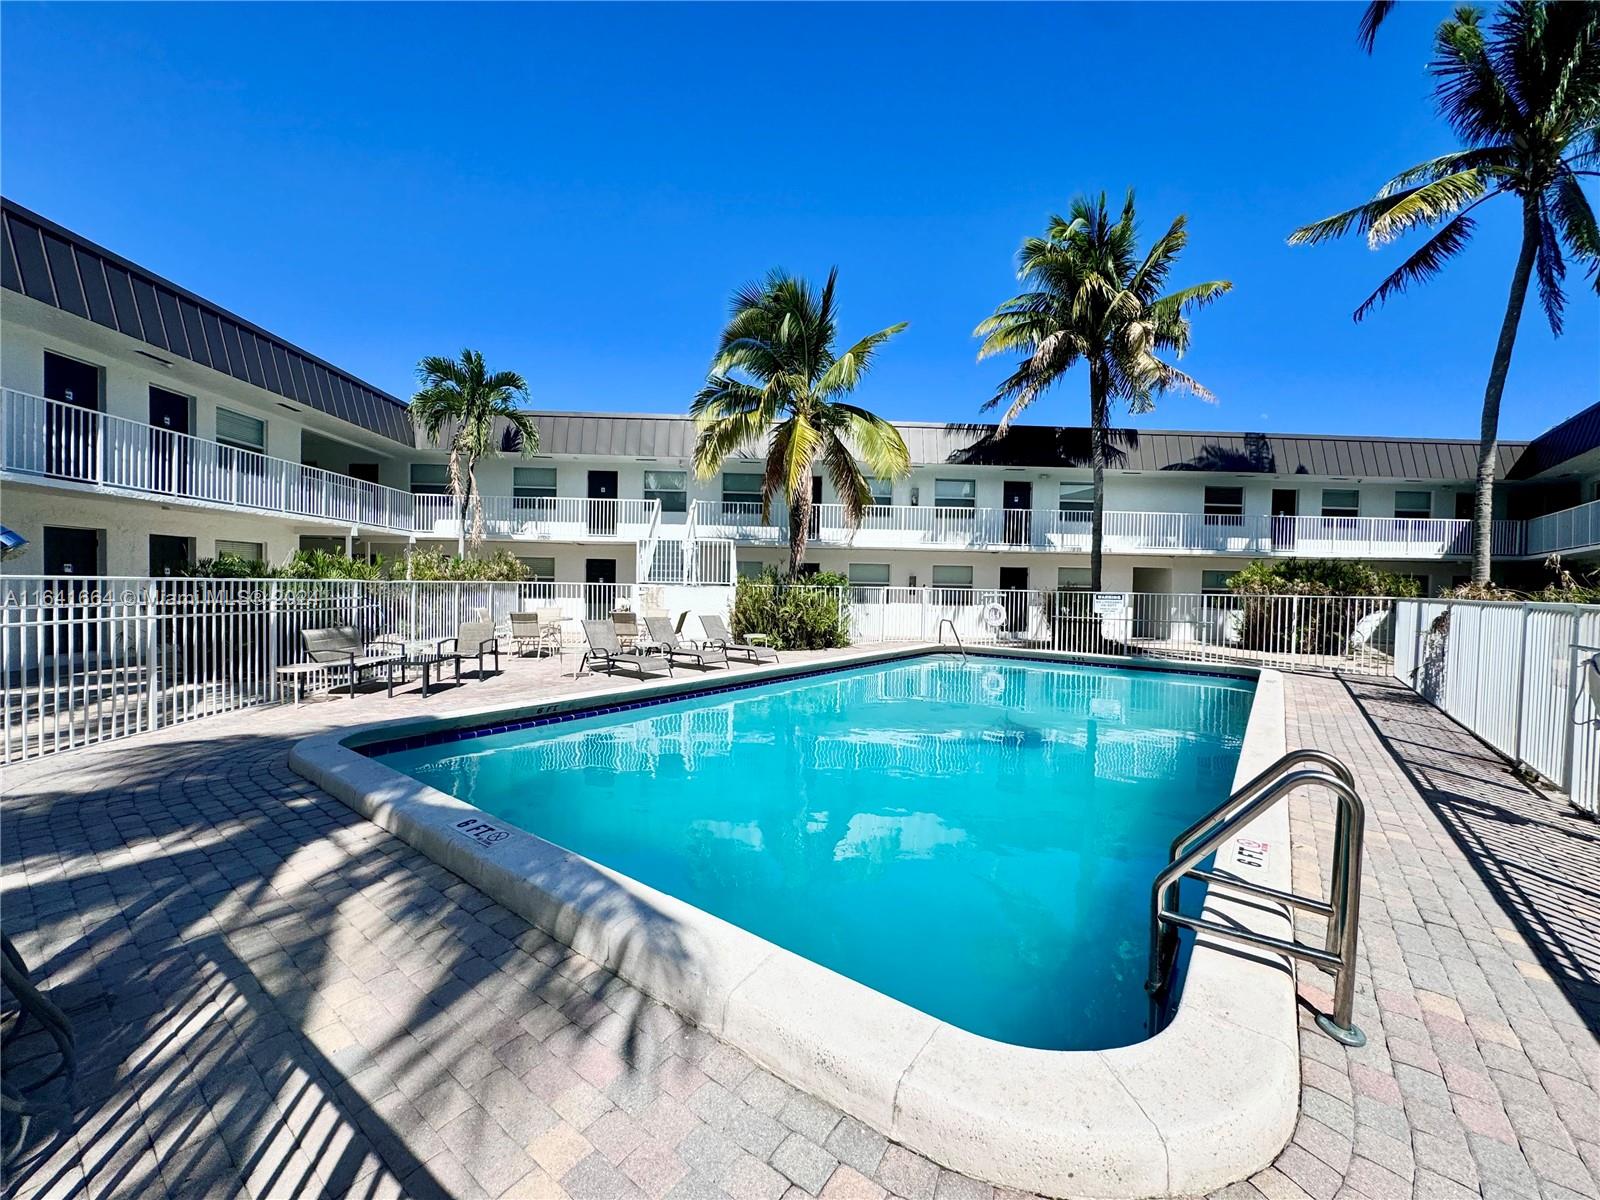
column 1342, row 908
column 954, row 632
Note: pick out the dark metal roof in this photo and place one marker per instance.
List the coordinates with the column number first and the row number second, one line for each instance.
column 1433, row 459
column 53, row 265
column 1578, row 434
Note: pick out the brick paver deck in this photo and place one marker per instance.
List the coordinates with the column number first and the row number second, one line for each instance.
column 275, row 998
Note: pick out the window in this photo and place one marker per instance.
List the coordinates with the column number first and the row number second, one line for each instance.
column 249, row 551
column 1341, row 502
column 1215, row 582
column 870, row 574
column 241, row 432
column 1413, row 504
column 540, row 570
column 1224, row 506
column 741, row 489
column 430, row 479
column 1077, row 501
column 953, row 578
column 750, row 568
column 533, row 483
column 671, row 488
column 1072, row 579
column 533, row 488
column 955, row 493
column 882, row 491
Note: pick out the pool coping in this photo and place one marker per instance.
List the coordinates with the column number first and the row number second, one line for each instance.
column 1209, row 1100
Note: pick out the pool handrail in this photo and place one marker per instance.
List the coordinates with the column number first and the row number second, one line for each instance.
column 954, row 632
column 1342, row 908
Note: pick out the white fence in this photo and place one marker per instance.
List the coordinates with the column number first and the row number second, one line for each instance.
column 1514, row 674
column 87, row 659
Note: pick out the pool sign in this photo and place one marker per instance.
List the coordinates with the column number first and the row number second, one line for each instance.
column 1109, row 604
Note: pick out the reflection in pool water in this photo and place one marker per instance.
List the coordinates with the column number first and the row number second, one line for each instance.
column 976, row 838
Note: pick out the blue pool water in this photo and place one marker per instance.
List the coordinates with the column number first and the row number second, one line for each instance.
column 974, row 837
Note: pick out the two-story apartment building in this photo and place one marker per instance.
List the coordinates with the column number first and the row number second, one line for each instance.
column 145, row 427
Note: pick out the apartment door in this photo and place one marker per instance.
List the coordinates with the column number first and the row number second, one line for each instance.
column 169, row 453
column 169, row 555
column 72, row 555
column 1017, row 499
column 1285, row 507
column 601, row 593
column 1014, row 596
column 72, row 434
column 603, row 506
column 815, row 531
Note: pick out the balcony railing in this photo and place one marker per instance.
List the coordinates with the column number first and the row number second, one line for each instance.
column 553, row 518
column 1570, row 529
column 889, row 527
column 59, row 441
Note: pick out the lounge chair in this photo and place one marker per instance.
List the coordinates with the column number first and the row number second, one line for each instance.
column 663, row 637
column 340, row 646
column 537, row 631
column 717, row 635
column 607, row 654
column 475, row 639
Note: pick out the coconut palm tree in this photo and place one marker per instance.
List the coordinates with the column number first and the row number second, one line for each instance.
column 482, row 414
column 1095, row 299
column 776, row 378
column 1523, row 98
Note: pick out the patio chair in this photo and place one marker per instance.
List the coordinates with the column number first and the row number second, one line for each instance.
column 341, row 646
column 717, row 635
column 538, row 631
column 665, row 638
column 475, row 639
column 607, row 654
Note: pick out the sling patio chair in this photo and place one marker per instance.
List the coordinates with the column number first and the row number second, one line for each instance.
column 539, row 632
column 475, row 639
column 663, row 637
column 605, row 652
column 339, row 647
column 717, row 635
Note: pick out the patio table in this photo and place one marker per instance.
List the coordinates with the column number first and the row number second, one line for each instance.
column 423, row 655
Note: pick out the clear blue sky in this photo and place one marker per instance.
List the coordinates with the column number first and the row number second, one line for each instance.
column 576, row 190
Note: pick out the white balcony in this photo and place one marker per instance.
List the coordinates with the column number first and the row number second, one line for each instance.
column 63, row 443
column 554, row 518
column 909, row 527
column 1576, row 528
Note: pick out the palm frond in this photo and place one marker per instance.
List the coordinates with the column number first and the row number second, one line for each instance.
column 845, row 372
column 1375, row 14
column 1571, row 210
column 1550, row 269
column 1422, row 266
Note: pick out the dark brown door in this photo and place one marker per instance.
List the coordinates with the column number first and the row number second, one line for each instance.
column 169, row 450
column 601, row 576
column 73, row 556
column 169, row 555
column 1285, row 507
column 1014, row 596
column 1017, row 499
column 603, row 505
column 72, row 432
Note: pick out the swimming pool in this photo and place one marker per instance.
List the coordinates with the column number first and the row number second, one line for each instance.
column 974, row 837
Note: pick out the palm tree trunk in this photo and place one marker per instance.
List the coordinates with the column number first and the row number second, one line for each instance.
column 1489, row 430
column 1097, row 454
column 799, row 527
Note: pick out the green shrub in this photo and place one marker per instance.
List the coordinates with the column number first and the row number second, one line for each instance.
column 1319, row 627
column 809, row 614
column 227, row 566
column 330, row 564
column 429, row 565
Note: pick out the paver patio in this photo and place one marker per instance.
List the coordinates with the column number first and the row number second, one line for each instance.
column 274, row 997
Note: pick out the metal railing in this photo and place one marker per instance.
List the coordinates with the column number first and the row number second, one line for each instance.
column 561, row 518
column 1342, row 908
column 1575, row 528
column 90, row 659
column 891, row 526
column 55, row 441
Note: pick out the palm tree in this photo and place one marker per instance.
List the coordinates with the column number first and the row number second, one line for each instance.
column 1095, row 299
column 463, row 397
column 1523, row 97
column 776, row 377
